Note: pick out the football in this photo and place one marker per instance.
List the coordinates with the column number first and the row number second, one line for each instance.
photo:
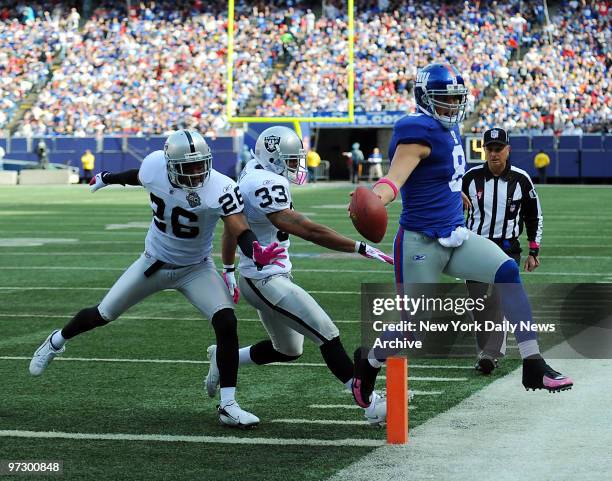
column 368, row 214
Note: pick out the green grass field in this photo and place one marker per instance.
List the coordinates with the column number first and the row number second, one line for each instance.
column 61, row 248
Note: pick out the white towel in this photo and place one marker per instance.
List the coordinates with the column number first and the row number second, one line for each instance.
column 456, row 238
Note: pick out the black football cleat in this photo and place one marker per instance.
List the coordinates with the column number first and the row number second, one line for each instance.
column 485, row 364
column 364, row 378
column 539, row 375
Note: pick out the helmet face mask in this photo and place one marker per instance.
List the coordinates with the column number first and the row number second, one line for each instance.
column 280, row 150
column 188, row 159
column 441, row 93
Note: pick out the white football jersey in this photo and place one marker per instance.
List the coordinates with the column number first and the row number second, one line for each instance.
column 183, row 225
column 264, row 192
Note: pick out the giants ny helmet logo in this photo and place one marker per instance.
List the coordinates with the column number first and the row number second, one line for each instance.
column 271, row 142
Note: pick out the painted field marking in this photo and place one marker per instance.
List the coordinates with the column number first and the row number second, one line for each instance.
column 431, row 378
column 320, row 421
column 193, row 361
column 168, row 438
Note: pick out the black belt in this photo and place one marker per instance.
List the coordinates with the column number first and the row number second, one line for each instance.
column 157, row 265
column 153, row 268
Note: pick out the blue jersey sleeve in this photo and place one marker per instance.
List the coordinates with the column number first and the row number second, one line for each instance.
column 412, row 129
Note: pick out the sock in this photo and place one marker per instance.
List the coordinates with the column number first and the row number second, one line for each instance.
column 529, row 349
column 57, row 340
column 349, row 384
column 373, row 361
column 228, row 394
column 244, row 356
column 225, row 325
column 337, row 359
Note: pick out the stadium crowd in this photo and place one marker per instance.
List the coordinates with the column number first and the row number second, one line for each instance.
column 562, row 85
column 32, row 37
column 162, row 65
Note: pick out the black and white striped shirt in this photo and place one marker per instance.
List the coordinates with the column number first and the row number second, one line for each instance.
column 501, row 205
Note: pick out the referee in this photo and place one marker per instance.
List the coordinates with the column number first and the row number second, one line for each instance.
column 502, row 200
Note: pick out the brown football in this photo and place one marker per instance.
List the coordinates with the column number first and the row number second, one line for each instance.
column 368, row 214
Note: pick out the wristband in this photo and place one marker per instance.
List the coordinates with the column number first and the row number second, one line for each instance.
column 360, row 247
column 534, row 248
column 228, row 268
column 384, row 180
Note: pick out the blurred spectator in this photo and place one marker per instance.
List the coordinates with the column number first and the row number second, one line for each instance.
column 358, row 159
column 313, row 160
column 375, row 165
column 2, row 154
column 541, row 161
column 87, row 160
column 42, row 154
column 243, row 160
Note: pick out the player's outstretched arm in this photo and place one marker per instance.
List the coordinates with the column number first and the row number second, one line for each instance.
column 294, row 223
column 228, row 255
column 104, row 178
column 238, row 227
column 405, row 160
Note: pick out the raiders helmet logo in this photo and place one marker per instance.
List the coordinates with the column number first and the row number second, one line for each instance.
column 494, row 134
column 193, row 199
column 271, row 142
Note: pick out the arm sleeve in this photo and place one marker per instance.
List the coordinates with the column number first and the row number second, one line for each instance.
column 129, row 177
column 531, row 211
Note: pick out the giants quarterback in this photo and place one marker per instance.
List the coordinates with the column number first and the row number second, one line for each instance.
column 427, row 166
column 187, row 197
column 287, row 311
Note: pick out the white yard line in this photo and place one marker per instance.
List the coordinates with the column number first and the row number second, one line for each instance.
column 514, row 434
column 320, row 421
column 430, row 378
column 167, row 438
column 193, row 361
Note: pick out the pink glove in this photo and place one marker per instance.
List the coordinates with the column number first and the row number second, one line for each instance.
column 372, row 252
column 230, row 282
column 268, row 256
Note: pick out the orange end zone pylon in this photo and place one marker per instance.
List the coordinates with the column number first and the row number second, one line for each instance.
column 397, row 400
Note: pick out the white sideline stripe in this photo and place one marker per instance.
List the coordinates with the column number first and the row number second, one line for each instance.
column 154, row 361
column 168, row 438
column 412, row 392
column 431, row 378
column 151, row 318
column 193, row 361
column 72, row 288
column 342, row 406
column 320, row 421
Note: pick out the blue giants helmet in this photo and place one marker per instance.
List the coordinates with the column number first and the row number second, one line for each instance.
column 435, row 85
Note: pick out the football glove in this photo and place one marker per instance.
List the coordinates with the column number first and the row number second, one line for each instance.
column 372, row 252
column 96, row 181
column 268, row 256
column 230, row 282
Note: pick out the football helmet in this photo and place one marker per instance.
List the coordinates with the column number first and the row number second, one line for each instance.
column 188, row 158
column 280, row 150
column 440, row 92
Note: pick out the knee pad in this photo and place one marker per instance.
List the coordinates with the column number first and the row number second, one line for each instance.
column 224, row 322
column 508, row 273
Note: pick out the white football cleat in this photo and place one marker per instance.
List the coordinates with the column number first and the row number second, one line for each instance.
column 44, row 355
column 212, row 378
column 376, row 412
column 233, row 415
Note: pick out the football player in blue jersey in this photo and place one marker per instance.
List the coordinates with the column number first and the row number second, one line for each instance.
column 427, row 167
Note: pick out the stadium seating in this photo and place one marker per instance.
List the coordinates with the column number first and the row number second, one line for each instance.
column 161, row 66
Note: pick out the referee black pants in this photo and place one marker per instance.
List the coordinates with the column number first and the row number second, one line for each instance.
column 489, row 342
